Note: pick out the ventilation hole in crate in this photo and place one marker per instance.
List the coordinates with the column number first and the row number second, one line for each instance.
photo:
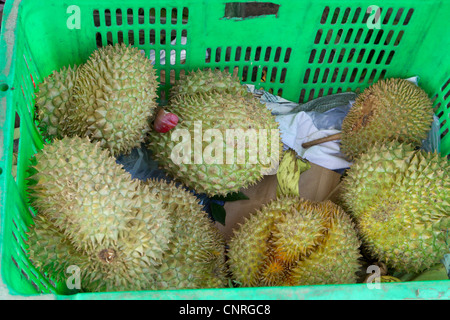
column 162, row 77
column 341, row 55
column 184, row 35
column 172, row 77
column 280, row 92
column 398, row 16
column 408, row 16
column 173, row 37
column 353, row 75
column 445, row 85
column 322, row 55
column 335, row 16
column 182, row 73
column 433, row 99
column 366, row 15
column 152, row 36
column 344, row 75
column 131, row 37
column 399, row 38
column 389, row 37
column 328, row 37
column 306, row 77
column 446, row 95
column 312, row 55
column 318, row 36
column 356, row 15
column 311, row 95
column 141, row 17
column 316, row 75
column 273, row 75
column 444, row 134
column 107, row 17
column 153, row 54
column 120, row 37
column 98, row 39
column 378, row 37
column 236, row 71
column 283, row 75
column 325, row 13
column 368, row 36
column 440, row 114
column 152, row 16
column 370, row 56
column 183, row 56
column 389, row 58
column 244, row 73
column 109, row 38
column 218, row 52
column 443, row 123
column 387, row 16
column 14, row 235
column 185, row 15
column 163, row 16
column 257, row 53
column 277, row 54
column 383, row 73
column 325, row 75
column 346, row 16
column 267, row 54
column 130, row 16
column 227, row 54
column 96, row 16
column 271, row 90
column 361, row 55
column 348, row 36
column 372, row 76
column 301, row 98
column 174, row 16
column 162, row 57
column 287, row 55
column 162, row 37
column 338, row 36
column 248, row 52
column 254, row 73
column 331, row 57
column 118, row 17
column 358, row 36
column 173, row 55
column 335, row 75
column 363, row 75
column 264, row 74
column 351, row 55
column 237, row 54
column 16, row 144
column 208, row 55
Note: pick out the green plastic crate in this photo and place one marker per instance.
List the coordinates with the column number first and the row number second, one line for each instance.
column 302, row 50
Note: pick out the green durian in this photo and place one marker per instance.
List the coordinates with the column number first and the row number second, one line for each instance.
column 54, row 102
column 294, row 241
column 214, row 125
column 390, row 109
column 94, row 201
column 400, row 199
column 196, row 255
column 115, row 96
column 121, row 267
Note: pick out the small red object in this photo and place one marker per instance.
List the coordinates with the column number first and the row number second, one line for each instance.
column 165, row 121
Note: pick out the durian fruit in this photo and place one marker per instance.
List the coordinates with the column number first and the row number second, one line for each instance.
column 121, row 267
column 228, row 140
column 115, row 95
column 294, row 241
column 390, row 109
column 400, row 199
column 196, row 256
column 54, row 102
column 94, row 202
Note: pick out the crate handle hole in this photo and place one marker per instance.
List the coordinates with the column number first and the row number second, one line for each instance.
column 238, row 10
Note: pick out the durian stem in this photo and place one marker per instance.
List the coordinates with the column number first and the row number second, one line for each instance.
column 336, row 136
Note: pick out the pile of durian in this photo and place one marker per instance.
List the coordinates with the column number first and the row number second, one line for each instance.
column 126, row 234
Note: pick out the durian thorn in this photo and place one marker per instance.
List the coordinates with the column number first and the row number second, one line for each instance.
column 336, row 136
